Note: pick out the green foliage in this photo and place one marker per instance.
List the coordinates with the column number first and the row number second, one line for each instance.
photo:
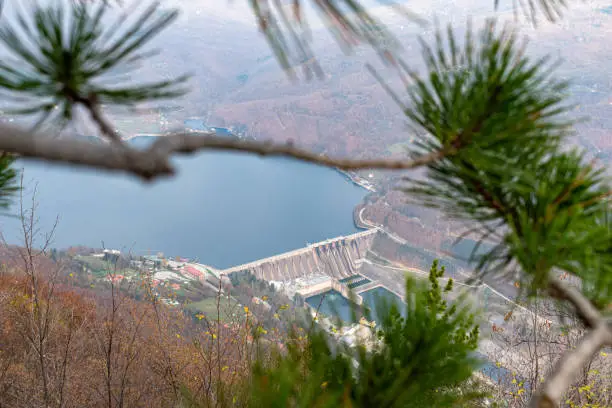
column 500, row 121
column 349, row 22
column 552, row 9
column 8, row 179
column 66, row 55
column 484, row 106
column 421, row 359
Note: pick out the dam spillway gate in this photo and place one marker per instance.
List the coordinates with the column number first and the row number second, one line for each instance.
column 338, row 258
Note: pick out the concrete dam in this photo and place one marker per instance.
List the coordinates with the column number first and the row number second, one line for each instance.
column 338, row 257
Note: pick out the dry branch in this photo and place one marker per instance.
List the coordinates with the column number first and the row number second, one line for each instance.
column 571, row 363
column 155, row 161
column 587, row 312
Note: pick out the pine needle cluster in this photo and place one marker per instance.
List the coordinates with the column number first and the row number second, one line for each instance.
column 424, row 357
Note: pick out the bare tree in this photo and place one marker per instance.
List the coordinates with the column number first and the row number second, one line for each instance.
column 529, row 345
column 45, row 318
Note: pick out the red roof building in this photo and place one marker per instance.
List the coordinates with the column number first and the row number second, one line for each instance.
column 115, row 278
column 196, row 273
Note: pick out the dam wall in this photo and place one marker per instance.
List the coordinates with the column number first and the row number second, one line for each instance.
column 332, row 284
column 338, row 258
column 315, row 289
column 346, row 292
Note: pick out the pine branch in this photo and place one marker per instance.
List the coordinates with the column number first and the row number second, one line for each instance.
column 286, row 30
column 155, row 161
column 93, row 107
column 65, row 53
column 351, row 23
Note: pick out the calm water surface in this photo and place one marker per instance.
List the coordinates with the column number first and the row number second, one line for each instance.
column 223, row 208
column 334, row 305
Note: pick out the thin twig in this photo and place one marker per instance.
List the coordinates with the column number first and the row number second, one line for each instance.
column 93, row 107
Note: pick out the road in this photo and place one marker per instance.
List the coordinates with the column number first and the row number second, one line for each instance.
column 393, row 278
column 381, row 229
column 505, row 289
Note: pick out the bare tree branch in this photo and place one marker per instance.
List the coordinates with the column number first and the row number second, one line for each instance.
column 155, row 161
column 570, row 365
column 584, row 308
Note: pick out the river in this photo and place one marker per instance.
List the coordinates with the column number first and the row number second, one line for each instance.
column 222, row 208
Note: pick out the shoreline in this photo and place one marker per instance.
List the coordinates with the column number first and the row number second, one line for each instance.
column 357, row 219
column 356, row 180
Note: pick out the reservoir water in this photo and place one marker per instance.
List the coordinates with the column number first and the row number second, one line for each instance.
column 376, row 302
column 222, row 208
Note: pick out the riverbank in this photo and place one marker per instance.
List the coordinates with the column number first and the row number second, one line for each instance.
column 355, row 179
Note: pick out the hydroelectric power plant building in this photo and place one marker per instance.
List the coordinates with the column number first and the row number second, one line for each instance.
column 325, row 276
column 336, row 277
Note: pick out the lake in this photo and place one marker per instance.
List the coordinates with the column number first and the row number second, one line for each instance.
column 222, row 208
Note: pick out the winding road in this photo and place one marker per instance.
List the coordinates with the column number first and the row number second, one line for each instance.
column 505, row 290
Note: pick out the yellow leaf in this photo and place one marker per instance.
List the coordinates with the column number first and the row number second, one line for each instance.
column 324, row 384
column 498, row 364
column 603, row 354
column 224, row 368
column 178, row 336
column 71, row 274
column 246, row 309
